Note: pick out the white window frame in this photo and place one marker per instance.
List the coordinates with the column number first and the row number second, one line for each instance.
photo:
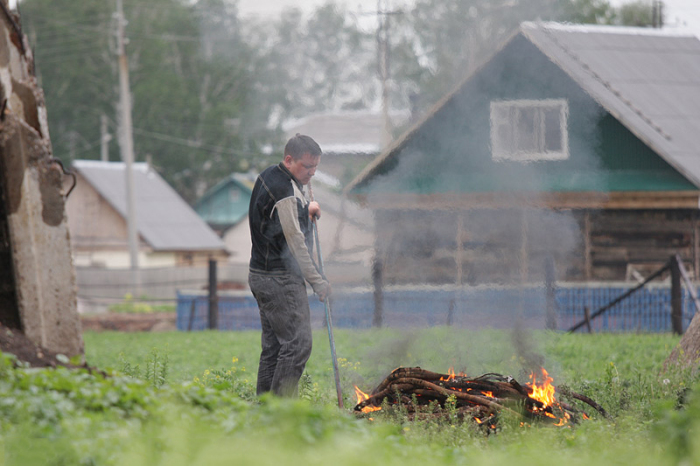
column 504, row 114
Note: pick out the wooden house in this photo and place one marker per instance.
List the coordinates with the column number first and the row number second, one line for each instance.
column 225, row 209
column 170, row 232
column 575, row 146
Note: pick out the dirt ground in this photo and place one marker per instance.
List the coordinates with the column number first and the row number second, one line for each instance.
column 13, row 341
column 151, row 322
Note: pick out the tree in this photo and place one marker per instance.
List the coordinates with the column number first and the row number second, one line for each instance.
column 589, row 12
column 315, row 63
column 441, row 41
column 195, row 111
column 639, row 13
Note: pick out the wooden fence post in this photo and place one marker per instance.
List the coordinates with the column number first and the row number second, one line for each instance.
column 587, row 316
column 192, row 309
column 451, row 312
column 549, row 277
column 378, row 281
column 676, row 297
column 213, row 298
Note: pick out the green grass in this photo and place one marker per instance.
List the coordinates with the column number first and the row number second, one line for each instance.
column 367, row 356
column 186, row 399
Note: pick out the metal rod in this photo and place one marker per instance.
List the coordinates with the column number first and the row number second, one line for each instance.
column 619, row 298
column 688, row 283
column 327, row 306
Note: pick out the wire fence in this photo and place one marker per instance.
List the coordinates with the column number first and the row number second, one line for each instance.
column 646, row 310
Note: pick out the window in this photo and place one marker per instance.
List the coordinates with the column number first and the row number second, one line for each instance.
column 526, row 130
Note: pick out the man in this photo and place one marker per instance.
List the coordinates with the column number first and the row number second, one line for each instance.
column 282, row 234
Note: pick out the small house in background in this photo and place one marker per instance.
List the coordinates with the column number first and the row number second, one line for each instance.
column 225, row 209
column 170, row 232
column 349, row 139
column 573, row 146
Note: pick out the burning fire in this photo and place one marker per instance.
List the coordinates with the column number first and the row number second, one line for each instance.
column 540, row 393
column 362, row 396
column 543, row 391
column 450, row 375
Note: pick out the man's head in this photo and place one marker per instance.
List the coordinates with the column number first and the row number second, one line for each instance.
column 301, row 157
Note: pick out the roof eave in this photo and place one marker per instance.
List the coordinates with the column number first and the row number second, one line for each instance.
column 401, row 141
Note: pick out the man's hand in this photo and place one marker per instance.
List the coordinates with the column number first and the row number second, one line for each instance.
column 324, row 291
column 314, row 210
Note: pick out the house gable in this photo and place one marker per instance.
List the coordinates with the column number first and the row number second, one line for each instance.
column 452, row 150
column 225, row 205
column 93, row 222
column 165, row 222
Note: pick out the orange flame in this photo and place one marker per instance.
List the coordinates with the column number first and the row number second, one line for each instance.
column 450, row 375
column 544, row 391
column 362, row 396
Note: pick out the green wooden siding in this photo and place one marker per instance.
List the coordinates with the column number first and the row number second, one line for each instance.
column 225, row 204
column 451, row 151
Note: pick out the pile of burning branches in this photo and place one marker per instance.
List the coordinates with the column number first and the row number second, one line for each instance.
column 481, row 399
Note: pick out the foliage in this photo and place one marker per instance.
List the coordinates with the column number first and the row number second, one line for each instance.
column 638, row 13
column 314, row 63
column 195, row 111
column 130, row 305
column 590, row 12
column 229, row 380
column 126, row 418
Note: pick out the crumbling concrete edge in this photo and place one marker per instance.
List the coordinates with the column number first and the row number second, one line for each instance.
column 40, row 242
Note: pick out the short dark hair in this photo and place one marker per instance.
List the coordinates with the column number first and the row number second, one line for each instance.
column 299, row 145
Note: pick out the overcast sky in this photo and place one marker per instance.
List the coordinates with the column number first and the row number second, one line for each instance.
column 680, row 14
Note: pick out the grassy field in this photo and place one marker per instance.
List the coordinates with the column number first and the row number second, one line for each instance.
column 367, row 356
column 187, row 398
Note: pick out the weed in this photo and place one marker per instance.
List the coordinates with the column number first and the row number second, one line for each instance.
column 234, row 380
column 157, row 368
column 139, row 306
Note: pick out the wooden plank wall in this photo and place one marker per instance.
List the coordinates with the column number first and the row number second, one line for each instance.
column 511, row 246
column 623, row 242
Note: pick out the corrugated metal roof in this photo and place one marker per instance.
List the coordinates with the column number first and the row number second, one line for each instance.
column 163, row 219
column 648, row 79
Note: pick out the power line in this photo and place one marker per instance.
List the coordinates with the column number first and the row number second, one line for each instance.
column 191, row 144
column 62, row 58
column 68, row 51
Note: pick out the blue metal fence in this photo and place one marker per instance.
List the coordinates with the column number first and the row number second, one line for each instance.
column 647, row 310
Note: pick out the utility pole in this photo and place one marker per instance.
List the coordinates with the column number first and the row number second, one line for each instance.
column 383, row 50
column 383, row 59
column 657, row 14
column 126, row 143
column 105, row 137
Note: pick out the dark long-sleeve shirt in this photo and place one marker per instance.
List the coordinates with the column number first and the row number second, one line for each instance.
column 280, row 227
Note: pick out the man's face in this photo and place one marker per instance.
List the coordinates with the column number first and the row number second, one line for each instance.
column 304, row 168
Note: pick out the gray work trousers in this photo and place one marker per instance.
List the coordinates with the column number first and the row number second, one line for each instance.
column 286, row 331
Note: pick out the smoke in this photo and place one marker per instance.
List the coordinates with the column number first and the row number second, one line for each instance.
column 503, row 217
column 453, row 215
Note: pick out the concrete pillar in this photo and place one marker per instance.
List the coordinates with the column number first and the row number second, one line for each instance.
column 33, row 189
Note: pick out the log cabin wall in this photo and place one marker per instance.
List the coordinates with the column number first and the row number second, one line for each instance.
column 624, row 243
column 511, row 246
